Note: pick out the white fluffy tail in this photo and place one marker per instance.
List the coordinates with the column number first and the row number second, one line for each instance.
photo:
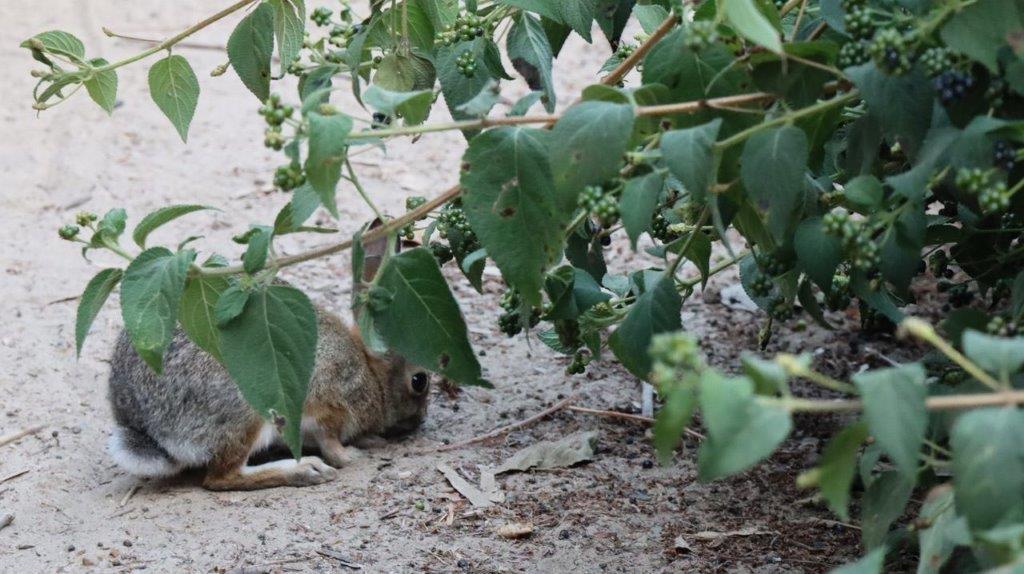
column 139, row 454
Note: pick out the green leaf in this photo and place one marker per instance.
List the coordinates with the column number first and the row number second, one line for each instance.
column 864, row 193
column 250, row 48
column 901, row 104
column 672, row 419
column 175, row 90
column 837, row 466
column 818, row 253
column 196, row 313
column 655, row 311
column 981, row 29
column 945, row 533
column 587, row 145
column 421, row 321
column 92, row 300
column 257, row 249
column 150, row 293
column 509, row 201
column 769, row 377
column 270, row 350
column 413, row 107
column 102, row 87
column 160, row 217
column 58, row 42
column 988, row 466
column 291, row 217
column 746, row 19
column 328, row 136
column 895, row 412
column 772, row 168
column 871, row 563
column 687, row 154
column 481, row 104
column 229, row 305
column 999, row 355
column 111, row 226
column 289, row 29
column 638, row 203
column 741, row 430
column 530, row 52
column 649, row 16
column 456, row 87
column 883, row 503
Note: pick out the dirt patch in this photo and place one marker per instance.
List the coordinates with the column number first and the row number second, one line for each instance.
column 392, row 512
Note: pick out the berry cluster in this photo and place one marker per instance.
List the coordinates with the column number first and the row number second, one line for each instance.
column 992, row 197
column 952, row 85
column 288, row 177
column 853, row 54
column 761, row 285
column 701, row 34
column 858, row 22
column 863, row 252
column 838, row 297
column 411, row 203
column 453, row 226
column 321, row 16
column 771, row 265
column 68, row 232
column 601, row 203
column 781, row 309
column 661, row 229
column 1004, row 155
column 275, row 112
column 624, row 50
column 1000, row 327
column 677, row 350
column 891, row 51
column 938, row 262
column 936, row 61
column 580, row 360
column 510, row 322
column 467, row 27
column 466, row 63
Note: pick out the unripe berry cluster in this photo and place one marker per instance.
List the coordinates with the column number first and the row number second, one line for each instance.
column 274, row 112
column 466, row 63
column 936, row 61
column 288, row 177
column 510, row 322
column 853, row 54
column 891, row 51
column 660, row 229
column 467, row 27
column 321, row 16
column 838, row 297
column 601, row 203
column 701, row 34
column 1000, row 327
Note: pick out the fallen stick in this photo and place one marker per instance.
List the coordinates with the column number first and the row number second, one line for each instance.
column 15, row 475
column 627, row 416
column 13, row 437
column 509, row 428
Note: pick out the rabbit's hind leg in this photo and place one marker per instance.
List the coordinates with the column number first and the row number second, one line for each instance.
column 229, row 471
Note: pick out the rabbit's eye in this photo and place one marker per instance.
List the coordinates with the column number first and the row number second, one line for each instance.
column 419, row 383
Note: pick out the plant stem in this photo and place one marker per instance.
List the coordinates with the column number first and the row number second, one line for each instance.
column 926, row 333
column 786, row 118
column 177, row 37
column 671, row 271
column 359, row 188
column 630, row 62
column 941, row 403
column 796, row 368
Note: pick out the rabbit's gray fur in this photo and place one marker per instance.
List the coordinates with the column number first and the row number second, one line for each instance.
column 194, row 415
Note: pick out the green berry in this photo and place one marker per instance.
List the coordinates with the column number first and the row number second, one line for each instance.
column 972, row 180
column 994, row 199
column 853, row 54
column 936, row 61
column 414, row 201
column 68, row 232
column 84, row 218
column 835, row 221
column 858, row 22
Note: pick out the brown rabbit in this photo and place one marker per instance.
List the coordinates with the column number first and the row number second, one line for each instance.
column 193, row 415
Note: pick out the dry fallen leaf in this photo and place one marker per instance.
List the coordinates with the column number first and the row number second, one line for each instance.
column 515, row 530
column 563, row 453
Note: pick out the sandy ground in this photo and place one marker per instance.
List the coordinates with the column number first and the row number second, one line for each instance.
column 393, row 512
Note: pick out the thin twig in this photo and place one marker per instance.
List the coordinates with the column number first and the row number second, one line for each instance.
column 15, row 475
column 128, row 495
column 633, row 59
column 628, row 417
column 509, row 428
column 16, row 436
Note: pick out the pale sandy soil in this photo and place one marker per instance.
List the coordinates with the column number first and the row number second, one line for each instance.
column 386, row 513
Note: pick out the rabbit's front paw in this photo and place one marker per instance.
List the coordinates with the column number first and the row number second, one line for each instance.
column 311, row 470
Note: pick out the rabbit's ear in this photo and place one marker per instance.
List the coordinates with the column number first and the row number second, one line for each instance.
column 373, row 253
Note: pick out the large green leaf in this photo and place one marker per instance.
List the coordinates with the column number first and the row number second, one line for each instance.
column 289, row 29
column 981, row 29
column 160, row 217
column 250, row 48
column 509, row 201
column 92, row 300
column 883, row 502
column 655, row 311
column 150, row 293
column 672, row 420
column 837, row 466
column 270, row 349
column 746, row 19
column 587, row 145
column 895, row 411
column 328, row 137
column 530, row 53
column 988, row 466
column 901, row 104
column 945, row 532
column 687, row 154
column 413, row 107
column 577, row 14
column 638, row 203
column 102, row 87
column 741, row 430
column 196, row 312
column 772, row 168
column 1000, row 355
column 416, row 314
column 175, row 90
column 818, row 252
column 58, row 42
column 456, row 87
